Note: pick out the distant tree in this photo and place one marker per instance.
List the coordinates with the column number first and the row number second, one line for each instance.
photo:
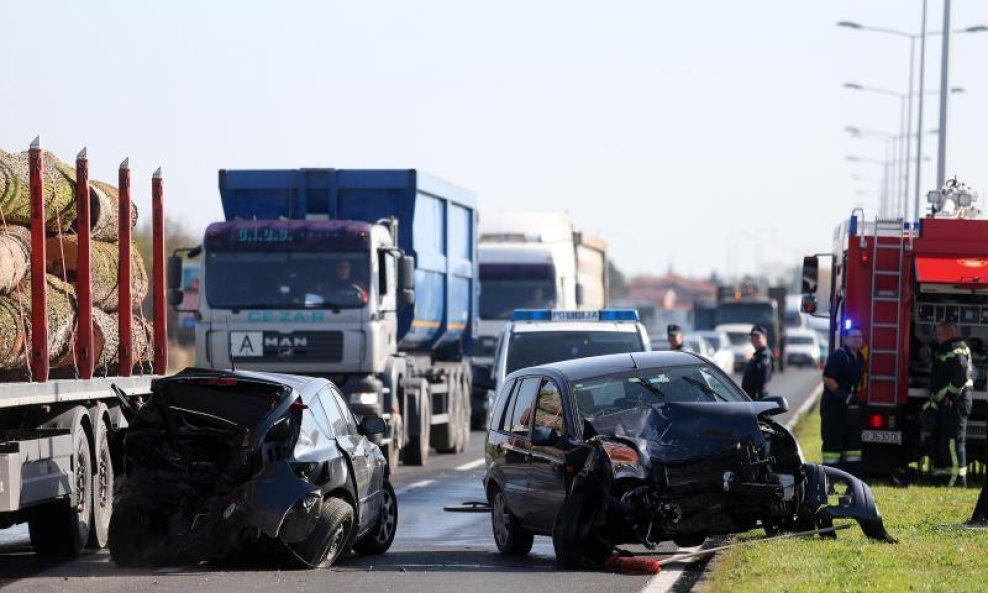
column 617, row 281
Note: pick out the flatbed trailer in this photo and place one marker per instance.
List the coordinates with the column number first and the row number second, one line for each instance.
column 60, row 438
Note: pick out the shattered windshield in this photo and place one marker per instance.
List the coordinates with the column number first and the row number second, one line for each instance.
column 615, row 393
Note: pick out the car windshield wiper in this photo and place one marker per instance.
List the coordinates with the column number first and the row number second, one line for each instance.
column 705, row 388
column 651, row 388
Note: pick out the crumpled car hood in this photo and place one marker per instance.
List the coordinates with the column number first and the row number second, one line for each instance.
column 676, row 432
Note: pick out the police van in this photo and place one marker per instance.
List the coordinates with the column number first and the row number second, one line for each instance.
column 535, row 337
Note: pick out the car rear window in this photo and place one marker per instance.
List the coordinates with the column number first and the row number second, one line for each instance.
column 800, row 340
column 529, row 349
column 244, row 403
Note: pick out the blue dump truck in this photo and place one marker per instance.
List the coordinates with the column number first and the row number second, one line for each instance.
column 366, row 277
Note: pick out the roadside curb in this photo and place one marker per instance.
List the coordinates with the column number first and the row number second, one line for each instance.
column 703, row 580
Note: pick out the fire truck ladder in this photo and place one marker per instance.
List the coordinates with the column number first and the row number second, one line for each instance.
column 882, row 297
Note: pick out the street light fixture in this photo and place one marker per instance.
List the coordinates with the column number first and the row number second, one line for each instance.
column 912, row 37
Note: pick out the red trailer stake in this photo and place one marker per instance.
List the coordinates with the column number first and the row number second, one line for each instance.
column 83, row 284
column 123, row 279
column 158, row 245
column 39, row 296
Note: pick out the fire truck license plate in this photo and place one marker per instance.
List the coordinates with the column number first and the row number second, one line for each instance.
column 888, row 437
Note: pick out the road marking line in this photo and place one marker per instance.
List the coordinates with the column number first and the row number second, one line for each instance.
column 415, row 486
column 470, row 465
column 805, row 407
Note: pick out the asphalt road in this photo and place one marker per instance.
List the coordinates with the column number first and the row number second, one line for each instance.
column 435, row 551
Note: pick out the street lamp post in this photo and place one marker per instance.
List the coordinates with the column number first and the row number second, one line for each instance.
column 944, row 77
column 922, row 72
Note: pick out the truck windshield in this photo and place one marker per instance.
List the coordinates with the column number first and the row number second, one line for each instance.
column 529, row 349
column 506, row 287
column 286, row 280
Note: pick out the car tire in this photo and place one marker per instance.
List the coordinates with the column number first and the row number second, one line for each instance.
column 510, row 537
column 573, row 540
column 330, row 537
column 127, row 537
column 380, row 538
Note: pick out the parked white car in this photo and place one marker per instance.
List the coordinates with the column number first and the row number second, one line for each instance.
column 802, row 347
column 739, row 336
column 723, row 356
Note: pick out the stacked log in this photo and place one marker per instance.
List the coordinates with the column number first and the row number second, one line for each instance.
column 62, row 247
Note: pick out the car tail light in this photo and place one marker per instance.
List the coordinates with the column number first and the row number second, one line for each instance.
column 875, row 421
column 620, row 453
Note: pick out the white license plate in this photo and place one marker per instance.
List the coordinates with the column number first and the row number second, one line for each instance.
column 246, row 344
column 888, row 437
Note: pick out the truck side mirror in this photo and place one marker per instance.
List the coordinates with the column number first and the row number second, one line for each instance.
column 407, row 296
column 406, row 273
column 811, row 274
column 809, row 304
column 175, row 297
column 174, row 280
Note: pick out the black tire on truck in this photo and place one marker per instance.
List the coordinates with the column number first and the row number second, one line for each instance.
column 465, row 420
column 446, row 437
column 99, row 533
column 416, row 452
column 61, row 528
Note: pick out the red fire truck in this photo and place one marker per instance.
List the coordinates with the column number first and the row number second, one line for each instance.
column 897, row 280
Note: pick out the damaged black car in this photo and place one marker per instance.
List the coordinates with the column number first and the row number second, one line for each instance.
column 219, row 465
column 648, row 447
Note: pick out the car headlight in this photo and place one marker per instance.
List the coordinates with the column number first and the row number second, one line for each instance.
column 367, row 398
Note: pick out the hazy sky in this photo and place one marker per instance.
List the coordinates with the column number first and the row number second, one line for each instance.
column 675, row 130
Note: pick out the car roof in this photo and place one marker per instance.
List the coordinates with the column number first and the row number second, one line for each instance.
column 573, row 326
column 800, row 331
column 595, row 366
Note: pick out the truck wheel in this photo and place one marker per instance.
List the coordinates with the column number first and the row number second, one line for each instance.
column 102, row 489
column 62, row 528
column 446, row 438
column 393, row 449
column 416, row 452
column 466, row 415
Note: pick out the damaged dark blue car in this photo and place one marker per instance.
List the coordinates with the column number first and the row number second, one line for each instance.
column 219, row 464
column 648, row 447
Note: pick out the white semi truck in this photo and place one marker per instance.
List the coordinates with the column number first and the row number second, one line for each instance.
column 530, row 260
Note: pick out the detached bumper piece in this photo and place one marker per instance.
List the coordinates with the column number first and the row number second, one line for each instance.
column 840, row 495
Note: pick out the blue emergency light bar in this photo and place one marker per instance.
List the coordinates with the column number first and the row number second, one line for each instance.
column 566, row 315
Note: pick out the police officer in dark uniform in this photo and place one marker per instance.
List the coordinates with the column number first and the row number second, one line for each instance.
column 759, row 370
column 840, row 416
column 950, row 396
column 675, row 335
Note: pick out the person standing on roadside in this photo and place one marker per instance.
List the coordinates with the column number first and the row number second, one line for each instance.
column 758, row 372
column 840, row 416
column 675, row 335
column 950, row 397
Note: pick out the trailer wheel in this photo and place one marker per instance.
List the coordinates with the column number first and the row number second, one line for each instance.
column 62, row 528
column 416, row 452
column 99, row 534
column 467, row 415
column 447, row 437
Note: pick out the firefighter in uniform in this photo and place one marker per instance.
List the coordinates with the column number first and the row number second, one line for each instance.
column 950, row 399
column 758, row 372
column 840, row 416
column 675, row 335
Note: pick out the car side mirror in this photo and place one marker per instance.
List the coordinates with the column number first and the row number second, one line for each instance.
column 545, row 436
column 782, row 404
column 371, row 425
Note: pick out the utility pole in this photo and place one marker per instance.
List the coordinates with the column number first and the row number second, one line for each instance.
column 944, row 77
